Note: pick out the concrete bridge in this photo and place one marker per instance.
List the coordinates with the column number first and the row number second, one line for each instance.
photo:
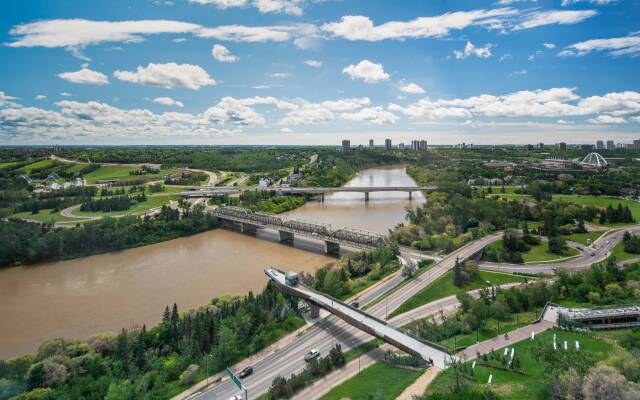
column 427, row 351
column 203, row 191
column 249, row 221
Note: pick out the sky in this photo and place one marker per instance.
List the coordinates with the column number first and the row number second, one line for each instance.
column 318, row 71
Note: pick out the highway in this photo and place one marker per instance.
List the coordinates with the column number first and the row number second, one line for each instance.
column 599, row 251
column 331, row 330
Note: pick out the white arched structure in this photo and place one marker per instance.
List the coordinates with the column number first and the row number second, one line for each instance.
column 594, row 160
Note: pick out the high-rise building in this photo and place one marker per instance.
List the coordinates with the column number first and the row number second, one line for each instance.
column 387, row 144
column 600, row 145
column 529, row 147
column 370, row 142
column 422, row 145
column 541, row 145
column 401, row 146
column 561, row 146
column 611, row 145
column 636, row 144
column 346, row 145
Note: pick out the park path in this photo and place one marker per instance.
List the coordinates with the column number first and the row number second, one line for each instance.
column 417, row 388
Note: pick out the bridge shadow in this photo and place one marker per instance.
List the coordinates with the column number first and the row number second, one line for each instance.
column 341, row 334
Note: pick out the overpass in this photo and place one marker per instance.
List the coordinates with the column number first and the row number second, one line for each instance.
column 427, row 351
column 204, row 191
column 249, row 221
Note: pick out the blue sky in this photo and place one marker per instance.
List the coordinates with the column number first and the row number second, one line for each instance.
column 314, row 72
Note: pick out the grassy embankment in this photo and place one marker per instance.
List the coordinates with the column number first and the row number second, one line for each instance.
column 444, row 287
column 538, row 253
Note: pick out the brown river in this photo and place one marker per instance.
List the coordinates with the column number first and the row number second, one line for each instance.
column 79, row 298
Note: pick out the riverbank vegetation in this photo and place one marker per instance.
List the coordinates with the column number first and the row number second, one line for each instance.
column 157, row 363
column 25, row 243
column 261, row 200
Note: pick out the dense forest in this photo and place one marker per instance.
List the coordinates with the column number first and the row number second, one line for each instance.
column 151, row 364
column 29, row 243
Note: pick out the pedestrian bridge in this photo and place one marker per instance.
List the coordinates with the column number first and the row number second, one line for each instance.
column 429, row 352
column 249, row 221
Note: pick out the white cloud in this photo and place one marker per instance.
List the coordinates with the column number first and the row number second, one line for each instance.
column 470, row 49
column 518, row 72
column 554, row 17
column 293, row 7
column 598, row 2
column 313, row 63
column 40, row 97
column 76, row 33
column 286, row 130
column 280, row 75
column 621, row 46
column 346, row 104
column 506, row 56
column 168, row 76
column 535, row 55
column 367, row 71
column 251, row 34
column 549, row 45
column 374, row 115
column 65, row 94
column 179, row 40
column 607, row 119
column 411, row 88
column 223, row 54
column 261, row 87
column 358, row 27
column 427, row 110
column 168, row 101
column 85, row 76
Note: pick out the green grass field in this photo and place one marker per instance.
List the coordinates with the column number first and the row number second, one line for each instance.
column 582, row 237
column 140, row 208
column 511, row 386
column 600, row 201
column 540, row 253
column 38, row 164
column 113, row 172
column 44, row 216
column 444, row 287
column 7, row 164
column 75, row 168
column 619, row 253
column 379, row 381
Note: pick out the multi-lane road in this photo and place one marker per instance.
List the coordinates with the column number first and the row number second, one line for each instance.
column 331, row 330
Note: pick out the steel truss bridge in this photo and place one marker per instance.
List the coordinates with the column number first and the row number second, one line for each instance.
column 288, row 227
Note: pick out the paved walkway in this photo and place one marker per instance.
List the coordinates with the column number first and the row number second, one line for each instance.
column 500, row 341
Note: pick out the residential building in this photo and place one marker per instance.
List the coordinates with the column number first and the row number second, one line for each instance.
column 387, row 144
column 599, row 145
column 587, row 147
column 529, row 147
column 541, row 145
column 401, row 146
column 346, row 145
column 611, row 145
column 370, row 142
column 561, row 146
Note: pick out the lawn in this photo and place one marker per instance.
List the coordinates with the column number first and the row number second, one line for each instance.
column 380, row 380
column 601, row 201
column 511, row 386
column 140, row 208
column 38, row 164
column 44, row 216
column 444, row 287
column 540, row 253
column 619, row 253
column 7, row 164
column 119, row 173
column 583, row 237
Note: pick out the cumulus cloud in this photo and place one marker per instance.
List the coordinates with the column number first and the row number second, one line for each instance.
column 411, row 88
column 470, row 49
column 607, row 119
column 621, row 46
column 313, row 63
column 367, row 71
column 293, row 7
column 549, row 45
column 374, row 115
column 168, row 76
column 40, row 97
column 168, row 101
column 223, row 54
column 85, row 76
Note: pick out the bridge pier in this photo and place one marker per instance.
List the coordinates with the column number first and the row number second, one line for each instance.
column 286, row 237
column 322, row 197
column 366, row 196
column 331, row 247
column 315, row 311
column 410, row 194
column 247, row 228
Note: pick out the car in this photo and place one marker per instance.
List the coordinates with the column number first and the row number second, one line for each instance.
column 246, row 372
column 355, row 304
column 236, row 397
column 593, row 254
column 313, row 353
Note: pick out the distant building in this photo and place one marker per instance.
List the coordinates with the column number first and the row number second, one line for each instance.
column 387, row 144
column 541, row 145
column 422, row 145
column 599, row 145
column 529, row 147
column 636, row 144
column 401, row 146
column 611, row 145
column 370, row 142
column 587, row 147
column 346, row 146
column 561, row 146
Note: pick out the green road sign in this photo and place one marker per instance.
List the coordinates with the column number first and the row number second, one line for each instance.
column 235, row 379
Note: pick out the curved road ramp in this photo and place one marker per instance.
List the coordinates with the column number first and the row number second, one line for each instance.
column 429, row 352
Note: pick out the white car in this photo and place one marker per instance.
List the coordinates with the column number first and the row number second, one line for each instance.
column 236, row 397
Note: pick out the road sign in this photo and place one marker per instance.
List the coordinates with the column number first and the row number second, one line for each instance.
column 235, row 379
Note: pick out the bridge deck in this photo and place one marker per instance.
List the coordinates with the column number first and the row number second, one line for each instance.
column 313, row 190
column 360, row 319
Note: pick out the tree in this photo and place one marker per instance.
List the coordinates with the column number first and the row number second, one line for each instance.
column 557, row 245
column 120, row 391
column 606, row 383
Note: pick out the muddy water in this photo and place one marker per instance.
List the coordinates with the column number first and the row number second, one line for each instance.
column 78, row 298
